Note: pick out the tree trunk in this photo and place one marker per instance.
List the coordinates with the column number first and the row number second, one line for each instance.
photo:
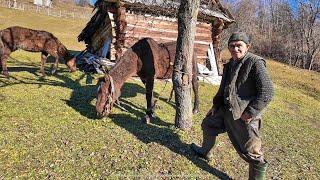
column 121, row 25
column 182, row 75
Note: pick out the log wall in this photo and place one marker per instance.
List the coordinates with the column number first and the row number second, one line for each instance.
column 162, row 29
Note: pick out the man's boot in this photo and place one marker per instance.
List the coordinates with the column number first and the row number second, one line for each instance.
column 207, row 145
column 257, row 171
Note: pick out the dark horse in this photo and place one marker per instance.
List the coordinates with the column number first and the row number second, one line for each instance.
column 14, row 38
column 149, row 60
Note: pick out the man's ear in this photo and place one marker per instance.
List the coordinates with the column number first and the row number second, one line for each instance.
column 249, row 46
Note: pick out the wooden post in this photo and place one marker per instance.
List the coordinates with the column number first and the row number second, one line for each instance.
column 217, row 27
column 120, row 29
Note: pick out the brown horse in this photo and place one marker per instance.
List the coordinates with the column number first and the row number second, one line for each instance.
column 14, row 38
column 149, row 60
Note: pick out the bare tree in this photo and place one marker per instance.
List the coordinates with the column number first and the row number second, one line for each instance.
column 288, row 31
column 309, row 13
column 182, row 75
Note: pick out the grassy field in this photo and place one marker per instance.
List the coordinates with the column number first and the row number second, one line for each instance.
column 48, row 127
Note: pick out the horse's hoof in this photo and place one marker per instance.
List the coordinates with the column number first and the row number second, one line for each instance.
column 195, row 111
column 6, row 74
column 53, row 71
column 157, row 106
column 118, row 102
column 43, row 74
column 147, row 119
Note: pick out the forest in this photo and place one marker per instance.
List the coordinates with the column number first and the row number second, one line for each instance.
column 285, row 30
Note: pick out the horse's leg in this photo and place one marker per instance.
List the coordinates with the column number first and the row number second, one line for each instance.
column 43, row 61
column 55, row 66
column 149, row 97
column 171, row 94
column 4, row 65
column 195, row 87
column 143, row 81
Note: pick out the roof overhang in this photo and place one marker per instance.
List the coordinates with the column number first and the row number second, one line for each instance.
column 208, row 12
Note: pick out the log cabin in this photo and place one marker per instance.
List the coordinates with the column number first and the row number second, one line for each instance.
column 124, row 22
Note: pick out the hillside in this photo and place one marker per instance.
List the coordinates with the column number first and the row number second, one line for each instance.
column 48, row 129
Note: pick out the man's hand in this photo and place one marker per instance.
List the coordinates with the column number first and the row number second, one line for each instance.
column 211, row 112
column 246, row 117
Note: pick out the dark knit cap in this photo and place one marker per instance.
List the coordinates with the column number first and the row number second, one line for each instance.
column 239, row 36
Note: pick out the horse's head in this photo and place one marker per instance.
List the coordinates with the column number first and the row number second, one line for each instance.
column 105, row 96
column 71, row 63
column 70, row 60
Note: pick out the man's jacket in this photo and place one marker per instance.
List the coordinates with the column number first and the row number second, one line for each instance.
column 245, row 86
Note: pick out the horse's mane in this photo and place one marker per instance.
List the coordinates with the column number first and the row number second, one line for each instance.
column 62, row 50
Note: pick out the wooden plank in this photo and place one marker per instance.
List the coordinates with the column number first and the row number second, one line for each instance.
column 141, row 29
column 141, row 33
column 152, row 22
column 201, row 52
column 168, row 27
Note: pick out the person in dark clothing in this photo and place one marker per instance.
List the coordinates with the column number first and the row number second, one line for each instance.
column 245, row 90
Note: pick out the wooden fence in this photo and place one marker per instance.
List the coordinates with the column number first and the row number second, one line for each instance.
column 28, row 7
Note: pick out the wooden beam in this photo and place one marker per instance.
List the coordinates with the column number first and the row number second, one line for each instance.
column 217, row 27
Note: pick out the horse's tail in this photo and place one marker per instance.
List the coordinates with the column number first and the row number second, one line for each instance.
column 1, row 44
column 195, row 64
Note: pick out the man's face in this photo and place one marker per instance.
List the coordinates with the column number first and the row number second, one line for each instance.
column 238, row 49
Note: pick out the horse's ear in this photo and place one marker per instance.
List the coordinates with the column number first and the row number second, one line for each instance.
column 60, row 50
column 101, row 79
column 105, row 78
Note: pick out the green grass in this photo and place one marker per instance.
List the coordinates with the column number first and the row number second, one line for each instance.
column 48, row 129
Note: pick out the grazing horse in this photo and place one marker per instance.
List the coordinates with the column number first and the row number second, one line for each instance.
column 149, row 60
column 14, row 38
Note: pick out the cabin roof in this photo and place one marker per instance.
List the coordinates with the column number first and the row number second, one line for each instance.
column 208, row 10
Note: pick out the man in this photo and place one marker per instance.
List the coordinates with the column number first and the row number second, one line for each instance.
column 245, row 90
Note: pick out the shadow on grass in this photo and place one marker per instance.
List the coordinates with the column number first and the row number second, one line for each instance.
column 131, row 90
column 81, row 96
column 39, row 79
column 148, row 133
column 80, row 101
column 33, row 67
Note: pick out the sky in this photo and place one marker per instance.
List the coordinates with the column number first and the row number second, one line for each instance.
column 91, row 2
column 294, row 5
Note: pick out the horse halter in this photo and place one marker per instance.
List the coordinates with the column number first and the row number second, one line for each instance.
column 109, row 99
